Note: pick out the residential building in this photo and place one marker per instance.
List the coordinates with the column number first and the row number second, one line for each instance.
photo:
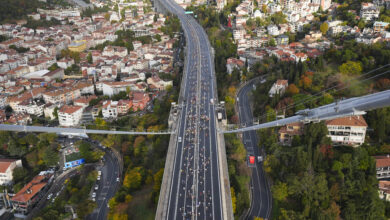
column 78, row 46
column 7, row 167
column 382, row 166
column 380, row 26
column 384, row 190
column 158, row 83
column 282, row 39
column 347, row 131
column 369, row 11
column 70, row 115
column 140, row 100
column 30, row 194
column 287, row 133
column 110, row 109
column 279, row 87
column 233, row 63
column 124, row 106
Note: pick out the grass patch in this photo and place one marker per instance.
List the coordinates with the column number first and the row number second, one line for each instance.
column 73, row 156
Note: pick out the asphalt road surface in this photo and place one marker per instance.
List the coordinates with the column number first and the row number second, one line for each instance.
column 261, row 197
column 108, row 185
column 195, row 187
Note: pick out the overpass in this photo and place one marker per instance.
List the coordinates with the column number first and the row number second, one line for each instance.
column 343, row 108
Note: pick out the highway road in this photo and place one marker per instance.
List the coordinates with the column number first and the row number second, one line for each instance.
column 195, row 186
column 108, row 185
column 261, row 197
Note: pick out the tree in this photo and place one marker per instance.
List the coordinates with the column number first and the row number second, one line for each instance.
column 234, row 200
column 351, row 67
column 292, row 89
column 53, row 67
column 324, row 28
column 89, row 57
column 50, row 157
column 133, row 179
column 55, row 112
column 280, row 191
column 19, row 174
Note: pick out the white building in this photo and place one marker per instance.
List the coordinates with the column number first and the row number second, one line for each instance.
column 273, row 30
column 70, row 115
column 7, row 167
column 369, row 11
column 279, row 87
column 382, row 166
column 110, row 109
column 347, row 131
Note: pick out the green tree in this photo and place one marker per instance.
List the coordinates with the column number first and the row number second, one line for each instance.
column 351, row 67
column 50, row 156
column 324, row 28
column 280, row 191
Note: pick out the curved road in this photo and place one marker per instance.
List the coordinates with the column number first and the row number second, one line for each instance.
column 261, row 197
column 108, row 185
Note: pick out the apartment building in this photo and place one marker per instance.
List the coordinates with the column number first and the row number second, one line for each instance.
column 70, row 115
column 30, row 194
column 7, row 167
column 347, row 131
column 110, row 109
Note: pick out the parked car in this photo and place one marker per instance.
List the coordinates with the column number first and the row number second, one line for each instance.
column 117, row 179
column 98, row 178
column 93, row 195
column 49, row 196
column 96, row 187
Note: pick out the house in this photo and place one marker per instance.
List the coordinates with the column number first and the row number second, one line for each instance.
column 112, row 88
column 124, row 106
column 31, row 193
column 273, row 30
column 279, row 87
column 7, row 167
column 347, row 131
column 140, row 100
column 299, row 57
column 65, row 63
column 233, row 63
column 84, row 101
column 282, row 39
column 384, row 190
column 380, row 26
column 69, row 115
column 110, row 109
column 287, row 133
column 382, row 166
column 158, row 83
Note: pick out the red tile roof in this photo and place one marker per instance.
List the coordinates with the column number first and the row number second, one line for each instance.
column 69, row 109
column 357, row 121
column 382, row 161
column 5, row 163
column 30, row 190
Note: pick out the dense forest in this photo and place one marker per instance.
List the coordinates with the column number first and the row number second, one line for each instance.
column 313, row 180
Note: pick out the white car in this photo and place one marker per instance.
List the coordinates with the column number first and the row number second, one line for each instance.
column 117, row 179
column 260, row 159
column 96, row 187
column 93, row 195
column 98, row 178
column 179, row 139
column 99, row 172
column 49, row 196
